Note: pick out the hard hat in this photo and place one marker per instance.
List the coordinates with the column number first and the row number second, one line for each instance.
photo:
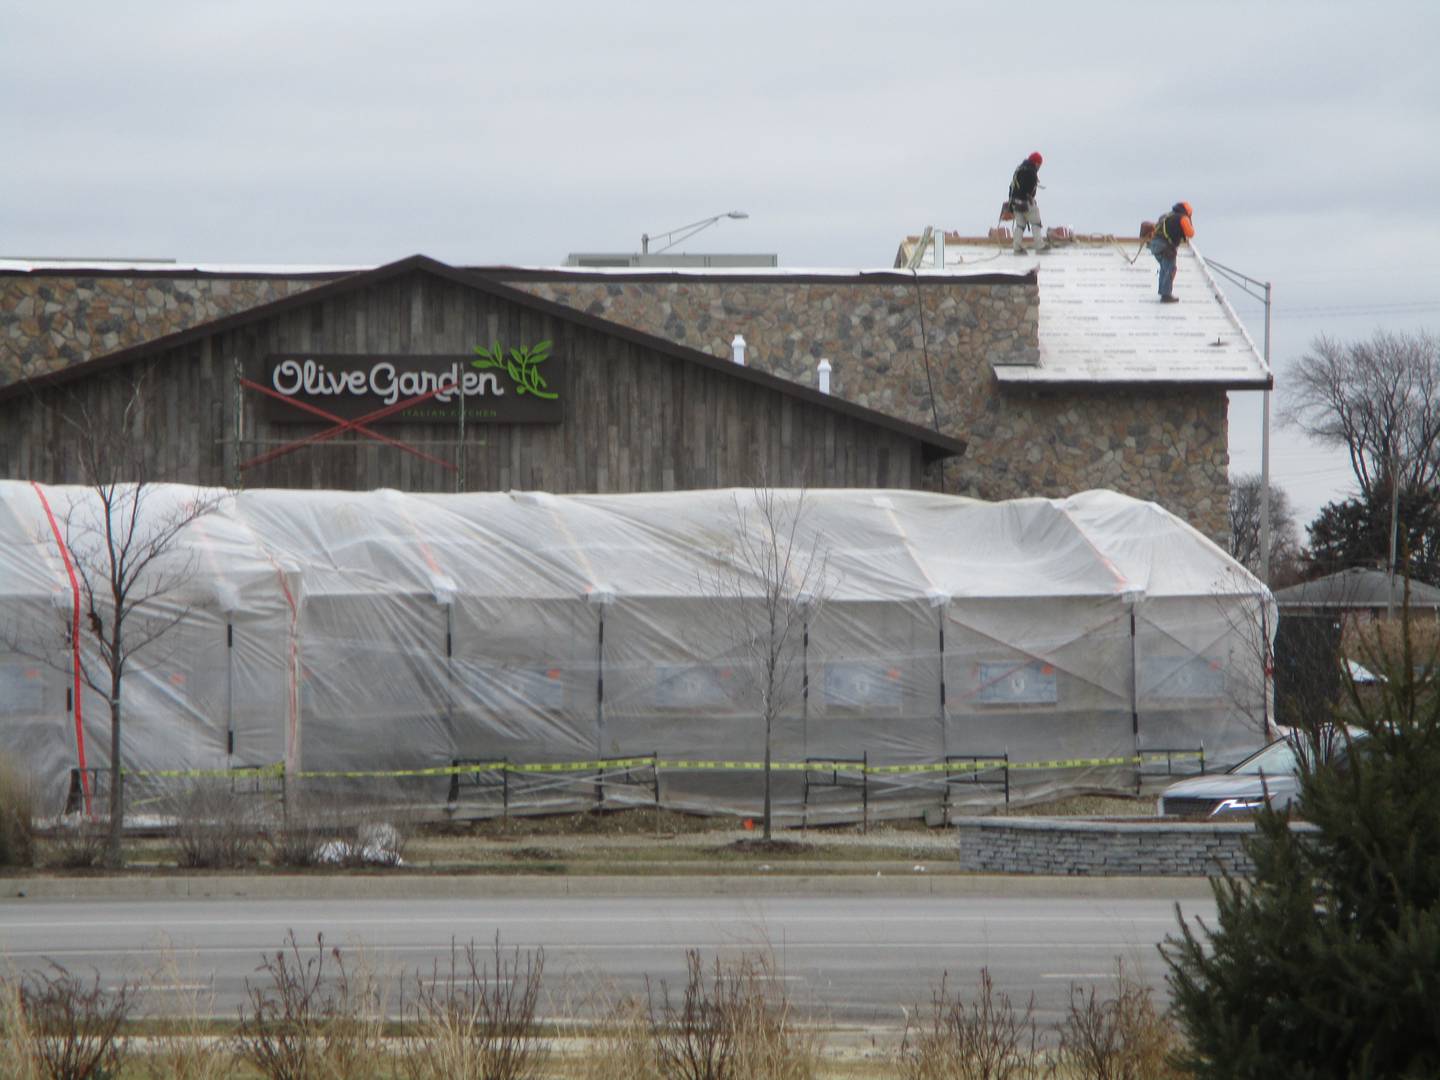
column 1036, row 159
column 1183, row 208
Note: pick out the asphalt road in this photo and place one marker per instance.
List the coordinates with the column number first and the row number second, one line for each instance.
column 854, row 959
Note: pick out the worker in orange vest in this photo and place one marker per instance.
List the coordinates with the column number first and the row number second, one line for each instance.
column 1172, row 230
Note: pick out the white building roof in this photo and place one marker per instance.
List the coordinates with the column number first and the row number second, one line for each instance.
column 185, row 266
column 1101, row 320
column 780, row 273
column 172, row 266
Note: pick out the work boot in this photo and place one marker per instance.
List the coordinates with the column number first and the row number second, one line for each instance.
column 1171, row 299
column 1045, row 248
column 1018, row 250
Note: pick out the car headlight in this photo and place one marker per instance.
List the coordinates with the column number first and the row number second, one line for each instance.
column 1237, row 806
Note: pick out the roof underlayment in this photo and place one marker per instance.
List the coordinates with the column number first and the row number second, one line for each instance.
column 1101, row 320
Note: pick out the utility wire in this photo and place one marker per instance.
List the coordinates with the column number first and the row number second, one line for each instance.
column 1346, row 311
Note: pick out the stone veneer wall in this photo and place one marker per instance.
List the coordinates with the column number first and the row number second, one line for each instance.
column 1067, row 847
column 1168, row 444
column 50, row 321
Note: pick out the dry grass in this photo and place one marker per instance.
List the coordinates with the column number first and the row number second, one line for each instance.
column 312, row 1019
column 58, row 1026
column 478, row 1017
column 17, row 815
column 316, row 1017
column 216, row 829
column 17, row 1043
column 733, row 1025
column 986, row 1039
column 1120, row 1037
column 620, row 1046
column 77, row 844
column 185, row 1047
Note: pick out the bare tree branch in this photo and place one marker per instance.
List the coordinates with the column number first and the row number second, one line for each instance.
column 1378, row 399
column 123, row 541
column 1245, row 527
column 769, row 584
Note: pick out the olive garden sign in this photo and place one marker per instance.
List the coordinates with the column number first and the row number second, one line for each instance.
column 493, row 385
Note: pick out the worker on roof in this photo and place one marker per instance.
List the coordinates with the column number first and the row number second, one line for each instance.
column 1172, row 230
column 1023, row 206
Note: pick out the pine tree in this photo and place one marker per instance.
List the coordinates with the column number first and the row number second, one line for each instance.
column 1326, row 962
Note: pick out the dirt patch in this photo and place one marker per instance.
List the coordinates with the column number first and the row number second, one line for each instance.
column 661, row 824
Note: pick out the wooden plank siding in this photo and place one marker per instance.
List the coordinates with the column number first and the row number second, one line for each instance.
column 635, row 418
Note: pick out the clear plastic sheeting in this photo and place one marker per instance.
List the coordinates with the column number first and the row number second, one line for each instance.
column 461, row 643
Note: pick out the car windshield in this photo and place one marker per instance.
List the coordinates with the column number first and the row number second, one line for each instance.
column 1273, row 760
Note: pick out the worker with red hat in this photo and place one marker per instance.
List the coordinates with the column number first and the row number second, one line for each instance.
column 1172, row 230
column 1023, row 206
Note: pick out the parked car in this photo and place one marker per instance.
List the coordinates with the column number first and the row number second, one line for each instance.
column 1273, row 770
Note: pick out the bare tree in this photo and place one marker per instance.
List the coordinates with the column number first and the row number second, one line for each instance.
column 1377, row 399
column 122, row 542
column 1245, row 494
column 773, row 579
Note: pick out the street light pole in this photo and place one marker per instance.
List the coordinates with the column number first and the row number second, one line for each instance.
column 1248, row 285
column 685, row 231
column 1265, row 459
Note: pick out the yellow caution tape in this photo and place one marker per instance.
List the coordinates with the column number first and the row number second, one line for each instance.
column 675, row 764
column 483, row 766
column 694, row 765
column 365, row 774
column 584, row 766
column 1074, row 763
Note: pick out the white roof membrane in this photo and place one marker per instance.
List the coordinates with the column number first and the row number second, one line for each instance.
column 1101, row 319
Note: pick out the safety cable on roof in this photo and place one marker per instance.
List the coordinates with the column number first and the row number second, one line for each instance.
column 929, row 382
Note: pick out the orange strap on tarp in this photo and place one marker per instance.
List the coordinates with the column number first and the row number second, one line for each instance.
column 74, row 641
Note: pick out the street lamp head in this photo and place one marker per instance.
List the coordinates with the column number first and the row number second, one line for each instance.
column 684, row 232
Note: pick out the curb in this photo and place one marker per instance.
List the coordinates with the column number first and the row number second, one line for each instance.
column 479, row 886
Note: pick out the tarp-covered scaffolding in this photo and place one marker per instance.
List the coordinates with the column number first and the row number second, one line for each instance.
column 381, row 631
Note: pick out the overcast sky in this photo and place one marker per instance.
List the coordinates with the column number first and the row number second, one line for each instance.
column 1306, row 134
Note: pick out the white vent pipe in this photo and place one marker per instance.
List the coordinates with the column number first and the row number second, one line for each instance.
column 824, row 373
column 737, row 350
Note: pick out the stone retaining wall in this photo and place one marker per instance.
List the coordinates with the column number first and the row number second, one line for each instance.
column 1067, row 847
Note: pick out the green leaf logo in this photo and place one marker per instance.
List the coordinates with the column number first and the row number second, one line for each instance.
column 522, row 365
